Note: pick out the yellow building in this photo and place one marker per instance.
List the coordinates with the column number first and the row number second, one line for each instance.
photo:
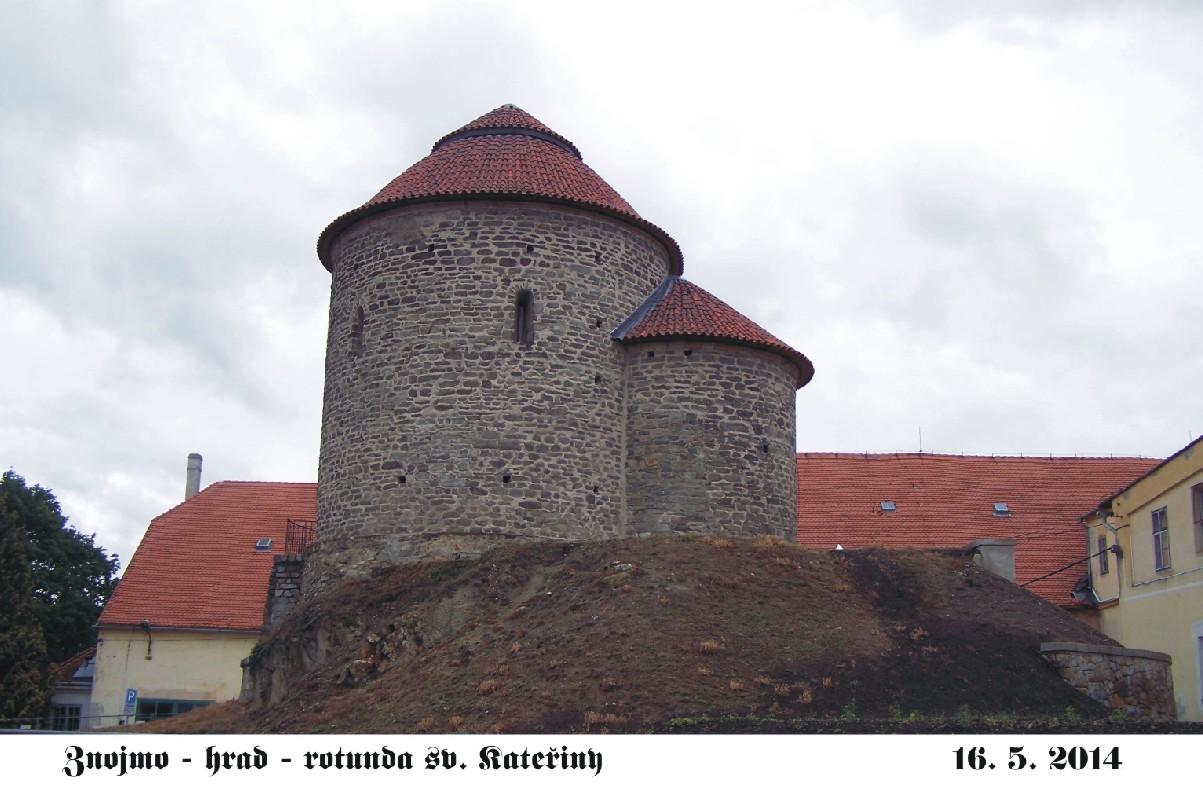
column 170, row 670
column 191, row 603
column 1146, row 569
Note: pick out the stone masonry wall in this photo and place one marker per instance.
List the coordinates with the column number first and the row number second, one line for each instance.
column 438, row 428
column 283, row 588
column 1135, row 681
column 710, row 440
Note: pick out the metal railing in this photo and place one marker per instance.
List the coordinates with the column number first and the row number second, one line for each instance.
column 49, row 724
column 299, row 536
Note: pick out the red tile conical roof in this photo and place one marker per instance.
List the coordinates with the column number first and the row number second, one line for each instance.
column 679, row 309
column 505, row 154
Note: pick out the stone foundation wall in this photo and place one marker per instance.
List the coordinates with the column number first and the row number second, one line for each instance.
column 330, row 562
column 1134, row 681
column 710, row 440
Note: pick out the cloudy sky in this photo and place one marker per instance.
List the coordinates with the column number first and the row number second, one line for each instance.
column 980, row 220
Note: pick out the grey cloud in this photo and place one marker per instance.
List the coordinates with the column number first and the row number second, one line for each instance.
column 938, row 16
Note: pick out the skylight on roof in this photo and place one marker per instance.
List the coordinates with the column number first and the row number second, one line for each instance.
column 263, row 544
column 1001, row 509
column 888, row 506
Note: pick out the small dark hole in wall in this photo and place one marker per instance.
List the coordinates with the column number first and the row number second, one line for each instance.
column 597, row 488
column 597, row 323
column 505, row 478
column 597, row 258
column 651, row 354
column 530, row 248
column 689, row 353
column 402, row 478
column 430, row 247
column 597, row 379
column 765, row 448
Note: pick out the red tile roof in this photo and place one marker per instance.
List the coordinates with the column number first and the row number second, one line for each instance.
column 197, row 567
column 679, row 309
column 946, row 501
column 504, row 154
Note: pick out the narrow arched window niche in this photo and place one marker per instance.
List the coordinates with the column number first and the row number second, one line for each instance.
column 524, row 317
column 357, row 331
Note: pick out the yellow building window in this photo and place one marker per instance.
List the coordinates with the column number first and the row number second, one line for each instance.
column 1161, row 540
column 154, row 709
column 1196, row 497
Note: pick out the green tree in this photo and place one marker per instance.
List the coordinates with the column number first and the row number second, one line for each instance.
column 26, row 675
column 72, row 576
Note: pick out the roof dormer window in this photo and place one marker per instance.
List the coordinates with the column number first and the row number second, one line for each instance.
column 1001, row 509
column 889, row 506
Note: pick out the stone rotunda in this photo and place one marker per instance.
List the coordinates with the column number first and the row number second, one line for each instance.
column 512, row 352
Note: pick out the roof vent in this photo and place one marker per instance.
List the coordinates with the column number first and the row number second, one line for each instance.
column 263, row 544
column 1001, row 509
column 889, row 506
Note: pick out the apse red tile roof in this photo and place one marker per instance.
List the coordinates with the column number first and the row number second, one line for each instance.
column 197, row 567
column 504, row 154
column 947, row 501
column 679, row 309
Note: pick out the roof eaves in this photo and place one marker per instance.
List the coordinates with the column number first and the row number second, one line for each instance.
column 800, row 362
column 1110, row 499
column 173, row 628
column 325, row 241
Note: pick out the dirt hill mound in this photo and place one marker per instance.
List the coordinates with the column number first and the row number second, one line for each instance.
column 627, row 635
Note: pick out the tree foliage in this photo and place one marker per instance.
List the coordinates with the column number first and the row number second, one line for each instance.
column 72, row 576
column 26, row 675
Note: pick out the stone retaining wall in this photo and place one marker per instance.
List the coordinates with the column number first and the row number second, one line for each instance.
column 1135, row 681
column 283, row 589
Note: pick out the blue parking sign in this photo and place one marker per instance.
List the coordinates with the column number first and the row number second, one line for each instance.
column 131, row 699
